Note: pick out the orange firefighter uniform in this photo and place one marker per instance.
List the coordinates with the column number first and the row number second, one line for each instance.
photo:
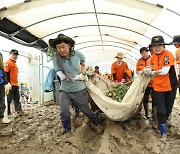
column 165, row 82
column 11, row 67
column 119, row 70
column 141, row 63
column 177, row 55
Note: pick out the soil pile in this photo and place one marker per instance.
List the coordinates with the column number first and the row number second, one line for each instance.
column 40, row 132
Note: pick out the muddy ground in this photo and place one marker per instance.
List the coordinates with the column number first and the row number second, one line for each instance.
column 40, row 132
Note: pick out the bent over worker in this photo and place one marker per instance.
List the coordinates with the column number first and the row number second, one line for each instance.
column 165, row 81
column 72, row 88
column 118, row 68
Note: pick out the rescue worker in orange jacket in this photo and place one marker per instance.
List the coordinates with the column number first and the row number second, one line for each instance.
column 165, row 81
column 118, row 68
column 142, row 63
column 176, row 42
column 151, row 53
column 11, row 71
column 150, row 84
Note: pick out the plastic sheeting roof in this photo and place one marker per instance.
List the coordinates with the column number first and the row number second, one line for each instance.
column 100, row 28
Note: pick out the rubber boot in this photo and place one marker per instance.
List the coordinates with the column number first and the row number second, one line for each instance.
column 66, row 126
column 163, row 130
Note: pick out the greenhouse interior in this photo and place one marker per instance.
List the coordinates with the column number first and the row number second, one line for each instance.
column 100, row 29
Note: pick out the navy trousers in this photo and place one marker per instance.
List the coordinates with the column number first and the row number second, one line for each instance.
column 81, row 100
column 164, row 102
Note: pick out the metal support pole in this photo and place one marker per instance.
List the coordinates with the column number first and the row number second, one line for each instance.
column 41, row 80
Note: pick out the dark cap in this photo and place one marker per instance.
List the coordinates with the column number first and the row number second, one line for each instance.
column 96, row 67
column 158, row 40
column 61, row 38
column 176, row 39
column 14, row 51
column 143, row 49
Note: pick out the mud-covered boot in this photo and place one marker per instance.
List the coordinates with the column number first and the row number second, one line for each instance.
column 66, row 126
column 163, row 130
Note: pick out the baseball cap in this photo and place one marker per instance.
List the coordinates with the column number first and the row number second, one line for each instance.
column 14, row 51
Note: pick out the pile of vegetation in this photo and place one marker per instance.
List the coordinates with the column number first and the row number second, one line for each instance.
column 118, row 93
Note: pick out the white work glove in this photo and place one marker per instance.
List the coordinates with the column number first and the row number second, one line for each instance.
column 81, row 77
column 148, row 73
column 8, row 87
column 156, row 72
column 61, row 75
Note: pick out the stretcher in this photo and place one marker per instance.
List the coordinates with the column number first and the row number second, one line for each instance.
column 117, row 111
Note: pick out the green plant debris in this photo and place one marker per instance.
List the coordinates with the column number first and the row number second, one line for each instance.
column 118, row 93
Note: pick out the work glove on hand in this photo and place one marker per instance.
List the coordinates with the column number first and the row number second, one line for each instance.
column 156, row 72
column 148, row 73
column 61, row 75
column 7, row 88
column 81, row 77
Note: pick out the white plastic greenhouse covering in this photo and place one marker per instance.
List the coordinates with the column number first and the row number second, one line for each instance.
column 100, row 28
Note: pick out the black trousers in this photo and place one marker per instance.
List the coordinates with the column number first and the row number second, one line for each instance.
column 14, row 95
column 164, row 102
column 146, row 95
column 2, row 100
column 152, row 96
